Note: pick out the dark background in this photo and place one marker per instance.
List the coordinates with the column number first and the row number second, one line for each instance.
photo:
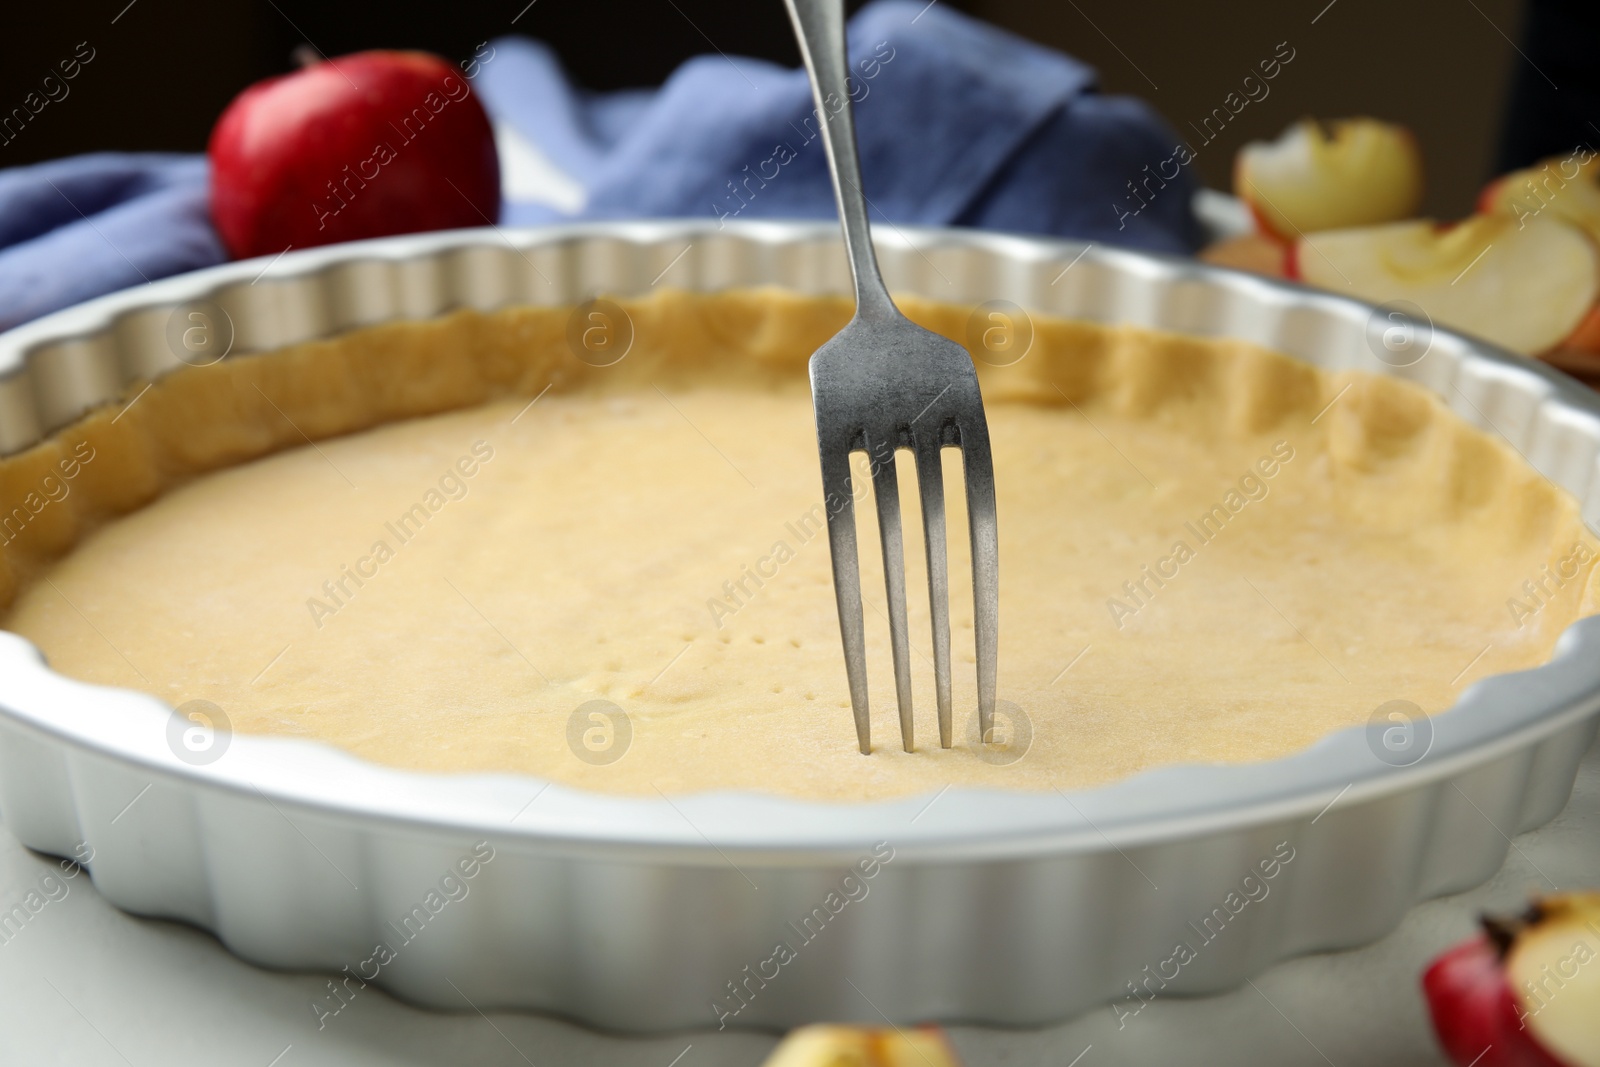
column 164, row 69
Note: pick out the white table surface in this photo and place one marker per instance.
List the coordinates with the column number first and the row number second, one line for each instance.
column 84, row 984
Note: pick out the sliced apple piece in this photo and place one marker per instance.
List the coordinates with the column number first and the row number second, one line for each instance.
column 1524, row 285
column 1251, row 252
column 1566, row 187
column 1324, row 176
column 854, row 1046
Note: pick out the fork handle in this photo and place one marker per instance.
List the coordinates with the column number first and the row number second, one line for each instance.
column 819, row 25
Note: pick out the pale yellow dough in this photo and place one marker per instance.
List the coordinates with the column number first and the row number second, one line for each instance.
column 640, row 535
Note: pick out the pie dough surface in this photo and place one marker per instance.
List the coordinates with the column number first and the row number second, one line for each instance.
column 1209, row 553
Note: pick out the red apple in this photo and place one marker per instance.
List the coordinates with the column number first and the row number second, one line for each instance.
column 1527, row 993
column 1324, row 176
column 1522, row 285
column 365, row 145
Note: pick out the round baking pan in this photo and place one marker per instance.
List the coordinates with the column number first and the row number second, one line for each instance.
column 730, row 909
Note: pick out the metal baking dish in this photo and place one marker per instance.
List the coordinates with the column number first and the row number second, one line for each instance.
column 648, row 914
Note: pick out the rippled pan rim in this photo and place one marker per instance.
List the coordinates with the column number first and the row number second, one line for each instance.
column 54, row 369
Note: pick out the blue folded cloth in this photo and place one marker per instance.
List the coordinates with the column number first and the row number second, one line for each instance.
column 75, row 228
column 959, row 123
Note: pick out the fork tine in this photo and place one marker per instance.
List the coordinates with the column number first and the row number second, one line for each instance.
column 978, row 467
column 886, row 489
column 930, row 481
column 841, row 509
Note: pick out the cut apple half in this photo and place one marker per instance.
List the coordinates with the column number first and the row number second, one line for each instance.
column 1524, row 286
column 1526, row 993
column 1475, row 1012
column 1324, row 176
column 1553, row 965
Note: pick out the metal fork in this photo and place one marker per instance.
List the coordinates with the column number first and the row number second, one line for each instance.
column 884, row 384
